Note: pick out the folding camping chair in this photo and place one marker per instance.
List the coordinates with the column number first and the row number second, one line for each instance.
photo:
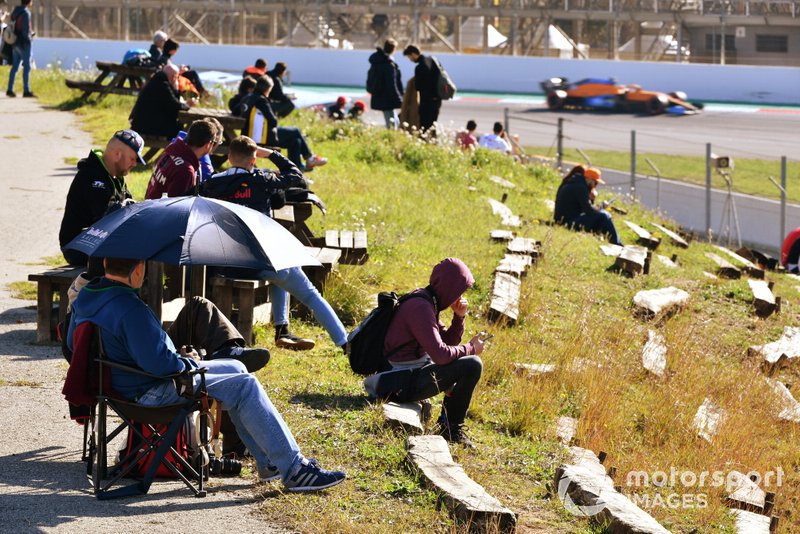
column 88, row 387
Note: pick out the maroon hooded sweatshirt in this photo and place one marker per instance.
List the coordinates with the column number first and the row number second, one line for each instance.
column 416, row 327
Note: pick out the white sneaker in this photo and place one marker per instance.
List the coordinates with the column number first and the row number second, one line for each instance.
column 316, row 161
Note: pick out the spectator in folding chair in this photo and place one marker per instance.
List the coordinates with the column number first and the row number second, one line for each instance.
column 177, row 171
column 132, row 335
column 262, row 126
column 246, row 185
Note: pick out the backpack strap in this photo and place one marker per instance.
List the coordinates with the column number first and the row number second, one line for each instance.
column 427, row 294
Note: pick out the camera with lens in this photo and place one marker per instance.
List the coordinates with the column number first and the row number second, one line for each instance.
column 224, row 466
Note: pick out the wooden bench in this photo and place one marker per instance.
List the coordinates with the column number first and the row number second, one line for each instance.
column 677, row 240
column 226, row 291
column 763, row 300
column 725, row 268
column 49, row 283
column 505, row 298
column 125, row 80
column 750, row 268
column 633, row 260
column 352, row 244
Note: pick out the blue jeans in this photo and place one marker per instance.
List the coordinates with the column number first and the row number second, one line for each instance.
column 390, row 116
column 293, row 281
column 295, row 144
column 258, row 423
column 596, row 221
column 21, row 54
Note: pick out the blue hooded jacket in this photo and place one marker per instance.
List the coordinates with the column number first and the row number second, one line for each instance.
column 23, row 26
column 131, row 335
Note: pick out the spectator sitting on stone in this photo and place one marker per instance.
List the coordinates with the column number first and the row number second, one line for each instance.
column 175, row 173
column 466, row 138
column 262, row 126
column 257, row 70
column 132, row 335
column 158, row 104
column 574, row 204
column 427, row 357
column 100, row 182
column 497, row 140
column 252, row 187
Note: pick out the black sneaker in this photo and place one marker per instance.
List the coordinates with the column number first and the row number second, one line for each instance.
column 456, row 434
column 28, row 95
column 12, row 94
column 254, row 359
column 310, row 476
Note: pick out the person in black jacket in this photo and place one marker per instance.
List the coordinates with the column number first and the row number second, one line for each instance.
column 574, row 204
column 280, row 101
column 158, row 104
column 249, row 186
column 246, row 88
column 385, row 83
column 262, row 125
column 99, row 183
column 426, row 78
column 157, row 48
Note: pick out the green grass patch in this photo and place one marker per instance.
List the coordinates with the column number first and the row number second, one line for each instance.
column 421, row 203
column 56, row 260
column 750, row 176
column 22, row 290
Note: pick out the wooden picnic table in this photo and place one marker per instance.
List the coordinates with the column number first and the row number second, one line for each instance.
column 124, row 80
column 231, row 124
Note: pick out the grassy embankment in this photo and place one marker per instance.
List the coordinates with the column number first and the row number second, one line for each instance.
column 415, row 202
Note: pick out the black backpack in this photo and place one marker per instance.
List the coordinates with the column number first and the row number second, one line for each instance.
column 365, row 342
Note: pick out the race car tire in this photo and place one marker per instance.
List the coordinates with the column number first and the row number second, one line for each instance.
column 680, row 95
column 657, row 105
column 555, row 101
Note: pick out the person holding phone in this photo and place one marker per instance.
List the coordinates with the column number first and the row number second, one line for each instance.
column 575, row 204
column 427, row 356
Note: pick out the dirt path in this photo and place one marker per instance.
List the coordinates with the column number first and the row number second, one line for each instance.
column 43, row 487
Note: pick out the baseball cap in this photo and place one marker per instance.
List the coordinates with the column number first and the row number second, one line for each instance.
column 593, row 173
column 359, row 105
column 133, row 140
column 341, row 101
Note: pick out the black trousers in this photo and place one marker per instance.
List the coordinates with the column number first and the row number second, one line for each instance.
column 458, row 379
column 429, row 113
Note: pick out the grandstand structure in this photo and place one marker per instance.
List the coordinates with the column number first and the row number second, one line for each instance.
column 756, row 32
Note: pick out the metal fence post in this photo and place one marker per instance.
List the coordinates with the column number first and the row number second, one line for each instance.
column 783, row 201
column 633, row 163
column 708, row 190
column 560, row 143
column 505, row 120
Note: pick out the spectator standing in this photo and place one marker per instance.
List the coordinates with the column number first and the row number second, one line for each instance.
column 280, row 101
column 177, row 171
column 384, row 83
column 158, row 104
column 497, row 140
column 21, row 49
column 426, row 76
column 574, row 204
column 244, row 184
column 100, row 182
column 427, row 357
column 262, row 126
column 466, row 138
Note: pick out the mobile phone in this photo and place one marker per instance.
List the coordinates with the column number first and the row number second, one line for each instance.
column 487, row 338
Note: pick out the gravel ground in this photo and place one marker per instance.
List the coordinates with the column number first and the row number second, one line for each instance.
column 43, row 487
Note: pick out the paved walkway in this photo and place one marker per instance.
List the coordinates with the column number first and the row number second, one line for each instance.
column 43, row 487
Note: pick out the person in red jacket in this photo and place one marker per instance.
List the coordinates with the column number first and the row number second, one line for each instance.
column 428, row 357
column 176, row 171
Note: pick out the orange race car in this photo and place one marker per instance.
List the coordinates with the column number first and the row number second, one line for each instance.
column 606, row 94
